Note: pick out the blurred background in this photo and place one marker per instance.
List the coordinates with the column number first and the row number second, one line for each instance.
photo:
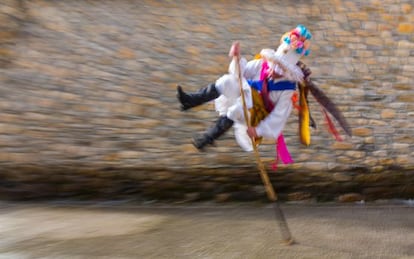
column 88, row 105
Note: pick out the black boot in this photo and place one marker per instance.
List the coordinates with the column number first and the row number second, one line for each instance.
column 190, row 100
column 207, row 138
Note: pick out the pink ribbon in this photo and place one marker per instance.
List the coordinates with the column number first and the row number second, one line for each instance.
column 263, row 72
column 282, row 152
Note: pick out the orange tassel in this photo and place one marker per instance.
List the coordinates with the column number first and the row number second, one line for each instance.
column 295, row 100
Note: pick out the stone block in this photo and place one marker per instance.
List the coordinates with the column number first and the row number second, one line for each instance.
column 406, row 8
column 362, row 132
column 405, row 28
column 388, row 114
column 299, row 196
column 351, row 197
column 342, row 146
column 126, row 53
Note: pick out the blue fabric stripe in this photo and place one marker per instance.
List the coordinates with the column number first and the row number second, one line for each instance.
column 273, row 86
column 281, row 85
column 255, row 84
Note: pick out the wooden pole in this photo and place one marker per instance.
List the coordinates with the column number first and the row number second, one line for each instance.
column 271, row 194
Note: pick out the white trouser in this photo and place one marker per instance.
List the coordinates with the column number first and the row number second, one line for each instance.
column 230, row 104
column 229, row 88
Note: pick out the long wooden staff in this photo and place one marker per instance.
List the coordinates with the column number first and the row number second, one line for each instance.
column 271, row 194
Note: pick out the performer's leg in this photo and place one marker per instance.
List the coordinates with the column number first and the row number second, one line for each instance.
column 227, row 87
column 207, row 138
column 190, row 100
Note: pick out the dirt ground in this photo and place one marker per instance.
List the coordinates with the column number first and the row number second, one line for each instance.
column 120, row 230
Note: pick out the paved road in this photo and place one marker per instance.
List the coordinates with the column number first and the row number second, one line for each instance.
column 204, row 231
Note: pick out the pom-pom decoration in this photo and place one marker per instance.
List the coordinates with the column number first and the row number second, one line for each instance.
column 298, row 39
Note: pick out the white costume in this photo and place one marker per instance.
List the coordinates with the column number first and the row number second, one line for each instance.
column 230, row 103
column 259, row 74
column 275, row 76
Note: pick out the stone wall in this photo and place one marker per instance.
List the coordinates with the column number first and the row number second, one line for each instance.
column 88, row 87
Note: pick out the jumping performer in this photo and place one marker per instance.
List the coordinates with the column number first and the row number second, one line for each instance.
column 270, row 83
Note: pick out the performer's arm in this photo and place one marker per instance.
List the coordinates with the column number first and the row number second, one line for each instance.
column 252, row 69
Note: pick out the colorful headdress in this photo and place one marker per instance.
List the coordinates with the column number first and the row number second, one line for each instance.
column 293, row 45
column 298, row 39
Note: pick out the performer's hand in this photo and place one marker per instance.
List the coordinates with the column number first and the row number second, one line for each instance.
column 235, row 49
column 251, row 131
column 305, row 70
column 272, row 74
